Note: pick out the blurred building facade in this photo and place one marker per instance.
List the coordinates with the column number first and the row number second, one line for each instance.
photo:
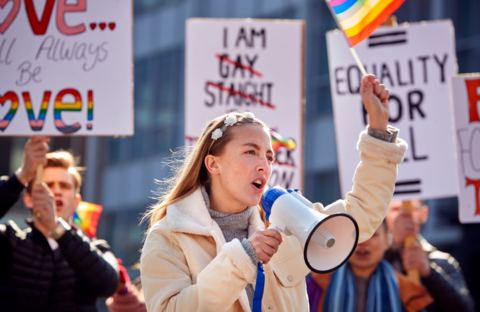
column 121, row 172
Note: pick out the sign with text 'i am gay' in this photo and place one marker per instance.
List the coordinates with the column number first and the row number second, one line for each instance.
column 249, row 65
column 66, row 67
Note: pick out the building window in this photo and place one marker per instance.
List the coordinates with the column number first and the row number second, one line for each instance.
column 157, row 108
column 143, row 6
column 323, row 186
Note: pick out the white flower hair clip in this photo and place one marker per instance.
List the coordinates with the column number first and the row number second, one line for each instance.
column 230, row 120
column 217, row 134
column 249, row 115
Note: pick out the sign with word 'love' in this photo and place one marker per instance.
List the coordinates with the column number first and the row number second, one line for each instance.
column 249, row 65
column 66, row 67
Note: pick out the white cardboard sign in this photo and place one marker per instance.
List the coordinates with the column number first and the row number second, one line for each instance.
column 248, row 65
column 66, row 67
column 417, row 71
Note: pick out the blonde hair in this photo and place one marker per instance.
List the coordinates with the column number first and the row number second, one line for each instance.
column 193, row 173
column 65, row 160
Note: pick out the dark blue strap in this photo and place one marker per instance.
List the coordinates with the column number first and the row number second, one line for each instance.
column 259, row 287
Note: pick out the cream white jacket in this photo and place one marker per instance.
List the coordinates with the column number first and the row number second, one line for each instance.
column 186, row 265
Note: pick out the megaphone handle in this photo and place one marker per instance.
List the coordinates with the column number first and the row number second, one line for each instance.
column 412, row 274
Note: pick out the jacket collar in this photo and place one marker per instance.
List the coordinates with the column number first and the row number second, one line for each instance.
column 190, row 215
column 31, row 232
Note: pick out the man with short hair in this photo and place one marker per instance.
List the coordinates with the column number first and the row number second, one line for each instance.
column 51, row 265
column 439, row 272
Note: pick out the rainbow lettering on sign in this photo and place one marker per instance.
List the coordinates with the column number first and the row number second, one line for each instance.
column 66, row 100
column 89, row 109
column 36, row 124
column 62, row 106
column 13, row 98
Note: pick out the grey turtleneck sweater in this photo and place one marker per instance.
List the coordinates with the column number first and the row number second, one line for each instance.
column 233, row 226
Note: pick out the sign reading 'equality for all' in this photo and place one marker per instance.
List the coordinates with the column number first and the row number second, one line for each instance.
column 249, row 65
column 66, row 67
column 466, row 107
column 417, row 70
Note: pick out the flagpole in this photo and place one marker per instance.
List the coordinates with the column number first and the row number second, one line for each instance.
column 357, row 60
column 352, row 49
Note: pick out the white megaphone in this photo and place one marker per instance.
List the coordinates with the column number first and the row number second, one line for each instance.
column 327, row 240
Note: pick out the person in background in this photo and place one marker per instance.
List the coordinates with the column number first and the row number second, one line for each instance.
column 207, row 234
column 129, row 296
column 438, row 271
column 50, row 265
column 366, row 282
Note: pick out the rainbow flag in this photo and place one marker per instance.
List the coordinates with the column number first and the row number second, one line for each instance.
column 359, row 18
column 86, row 217
column 278, row 142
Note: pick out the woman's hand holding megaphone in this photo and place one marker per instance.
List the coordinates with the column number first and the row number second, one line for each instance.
column 265, row 243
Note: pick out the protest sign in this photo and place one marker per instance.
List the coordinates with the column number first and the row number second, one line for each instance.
column 249, row 65
column 66, row 68
column 466, row 108
column 417, row 70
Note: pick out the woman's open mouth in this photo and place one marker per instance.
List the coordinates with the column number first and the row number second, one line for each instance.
column 259, row 183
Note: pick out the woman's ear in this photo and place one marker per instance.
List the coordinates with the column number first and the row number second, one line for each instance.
column 211, row 164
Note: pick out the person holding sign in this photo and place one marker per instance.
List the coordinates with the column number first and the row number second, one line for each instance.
column 207, row 233
column 438, row 271
column 50, row 265
column 11, row 187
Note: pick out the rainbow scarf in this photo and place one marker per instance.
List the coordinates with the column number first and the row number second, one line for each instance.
column 86, row 217
column 383, row 291
column 359, row 18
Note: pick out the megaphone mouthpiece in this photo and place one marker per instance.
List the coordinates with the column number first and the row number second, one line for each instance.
column 269, row 197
